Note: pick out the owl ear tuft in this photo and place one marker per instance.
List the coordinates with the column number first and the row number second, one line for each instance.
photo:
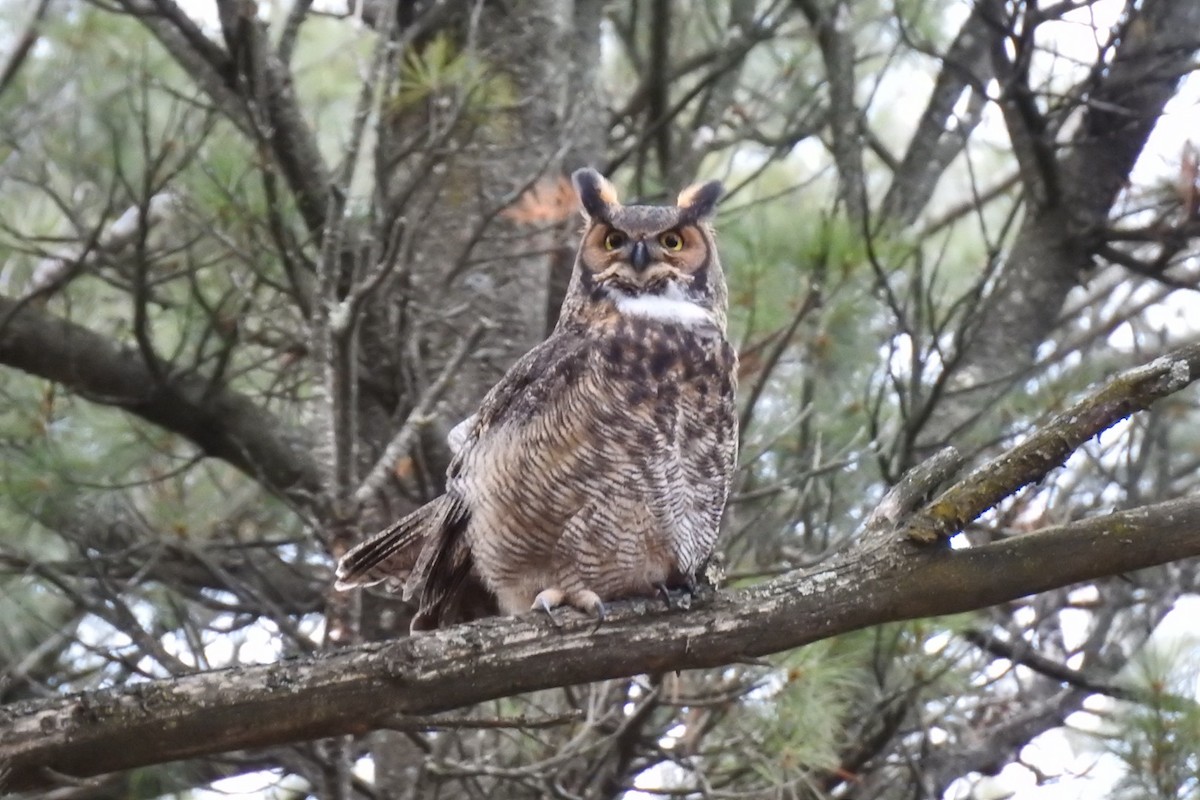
column 699, row 200
column 596, row 194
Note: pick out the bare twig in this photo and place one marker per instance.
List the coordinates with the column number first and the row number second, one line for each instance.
column 418, row 417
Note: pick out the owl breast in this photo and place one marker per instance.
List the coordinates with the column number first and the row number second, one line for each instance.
column 609, row 473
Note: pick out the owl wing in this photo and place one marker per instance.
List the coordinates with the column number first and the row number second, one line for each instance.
column 528, row 387
column 396, row 552
column 532, row 383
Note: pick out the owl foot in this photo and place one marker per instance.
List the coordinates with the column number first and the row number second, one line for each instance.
column 683, row 595
column 585, row 600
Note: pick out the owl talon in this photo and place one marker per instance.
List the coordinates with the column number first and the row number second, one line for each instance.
column 588, row 602
column 684, row 595
column 547, row 600
column 600, row 615
column 550, row 616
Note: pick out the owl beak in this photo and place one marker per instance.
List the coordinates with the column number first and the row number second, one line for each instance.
column 639, row 259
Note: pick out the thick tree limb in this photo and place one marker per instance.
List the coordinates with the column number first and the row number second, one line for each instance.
column 222, row 423
column 354, row 691
column 845, row 119
column 965, row 68
column 884, row 578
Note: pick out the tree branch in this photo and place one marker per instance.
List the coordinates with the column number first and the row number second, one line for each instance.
column 273, row 114
column 24, row 46
column 1057, row 240
column 1026, row 656
column 1157, row 51
column 222, row 423
column 965, row 68
column 357, row 690
column 845, row 123
column 1028, row 462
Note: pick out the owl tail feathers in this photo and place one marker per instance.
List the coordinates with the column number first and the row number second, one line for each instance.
column 444, row 546
column 444, row 576
column 393, row 552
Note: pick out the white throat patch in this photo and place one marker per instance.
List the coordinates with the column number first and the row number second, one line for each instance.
column 668, row 307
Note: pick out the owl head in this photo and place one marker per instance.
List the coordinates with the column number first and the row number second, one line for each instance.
column 652, row 260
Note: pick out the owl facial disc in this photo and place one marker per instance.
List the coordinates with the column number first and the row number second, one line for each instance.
column 656, row 262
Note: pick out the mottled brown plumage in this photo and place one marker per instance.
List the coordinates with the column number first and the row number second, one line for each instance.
column 598, row 468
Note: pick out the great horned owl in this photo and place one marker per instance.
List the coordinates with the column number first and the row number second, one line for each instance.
column 599, row 466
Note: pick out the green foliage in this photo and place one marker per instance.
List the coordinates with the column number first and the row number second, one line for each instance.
column 440, row 69
column 126, row 130
column 801, row 726
column 1158, row 738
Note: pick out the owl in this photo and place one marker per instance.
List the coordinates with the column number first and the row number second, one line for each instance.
column 598, row 468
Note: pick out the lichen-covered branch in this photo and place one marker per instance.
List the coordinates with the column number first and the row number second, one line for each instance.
column 1050, row 445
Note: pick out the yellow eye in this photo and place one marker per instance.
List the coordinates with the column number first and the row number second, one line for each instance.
column 614, row 239
column 671, row 240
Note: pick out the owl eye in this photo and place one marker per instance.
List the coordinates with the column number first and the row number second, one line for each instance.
column 671, row 240
column 614, row 239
